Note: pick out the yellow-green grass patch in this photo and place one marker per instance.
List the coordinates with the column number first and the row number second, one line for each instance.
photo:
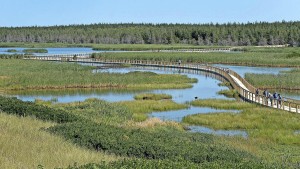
column 25, row 145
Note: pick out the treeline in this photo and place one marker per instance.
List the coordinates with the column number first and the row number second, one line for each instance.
column 230, row 34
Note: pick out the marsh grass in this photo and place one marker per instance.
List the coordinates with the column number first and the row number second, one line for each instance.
column 272, row 58
column 272, row 125
column 140, row 108
column 222, row 104
column 153, row 123
column 152, row 96
column 96, row 110
column 280, row 155
column 40, row 75
column 285, row 80
column 24, row 145
column 229, row 93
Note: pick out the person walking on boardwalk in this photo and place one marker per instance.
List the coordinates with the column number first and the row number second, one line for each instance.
column 266, row 94
column 271, row 99
column 256, row 94
column 275, row 97
column 279, row 100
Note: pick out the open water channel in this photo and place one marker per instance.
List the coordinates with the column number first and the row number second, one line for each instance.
column 206, row 88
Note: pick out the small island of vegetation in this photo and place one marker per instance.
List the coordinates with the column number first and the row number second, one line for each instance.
column 12, row 50
column 35, row 51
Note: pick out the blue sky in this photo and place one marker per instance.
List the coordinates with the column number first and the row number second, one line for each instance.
column 65, row 12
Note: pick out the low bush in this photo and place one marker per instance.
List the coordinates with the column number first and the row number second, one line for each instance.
column 12, row 50
column 35, row 51
column 153, row 164
column 18, row 107
column 159, row 144
column 11, row 56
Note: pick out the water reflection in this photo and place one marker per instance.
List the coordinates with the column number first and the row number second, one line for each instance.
column 177, row 115
column 206, row 130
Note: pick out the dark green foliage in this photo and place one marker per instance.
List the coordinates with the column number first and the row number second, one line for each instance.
column 18, row 107
column 293, row 55
column 155, row 164
column 230, row 34
column 12, row 50
column 35, row 51
column 13, row 56
column 158, row 144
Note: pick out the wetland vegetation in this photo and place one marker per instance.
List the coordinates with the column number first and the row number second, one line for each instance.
column 12, row 50
column 255, row 57
column 25, row 74
column 35, row 51
column 288, row 80
column 267, row 124
column 100, row 134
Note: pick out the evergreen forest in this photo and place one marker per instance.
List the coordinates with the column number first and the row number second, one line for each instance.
column 229, row 34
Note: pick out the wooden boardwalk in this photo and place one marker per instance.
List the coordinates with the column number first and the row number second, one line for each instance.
column 246, row 91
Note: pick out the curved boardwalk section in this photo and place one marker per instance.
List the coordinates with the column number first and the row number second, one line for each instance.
column 245, row 90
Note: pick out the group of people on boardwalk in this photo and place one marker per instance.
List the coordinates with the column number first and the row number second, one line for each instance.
column 271, row 97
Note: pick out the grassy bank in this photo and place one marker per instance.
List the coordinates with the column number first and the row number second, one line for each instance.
column 95, row 110
column 151, row 96
column 140, row 112
column 25, row 145
column 222, row 104
column 271, row 133
column 25, row 74
column 288, row 80
column 267, row 124
column 229, row 93
column 104, row 126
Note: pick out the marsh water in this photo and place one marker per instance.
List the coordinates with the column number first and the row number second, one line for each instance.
column 206, row 88
column 50, row 50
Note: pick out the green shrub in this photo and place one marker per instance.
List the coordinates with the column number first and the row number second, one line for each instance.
column 18, row 107
column 159, row 144
column 12, row 50
column 11, row 56
column 35, row 51
column 154, row 164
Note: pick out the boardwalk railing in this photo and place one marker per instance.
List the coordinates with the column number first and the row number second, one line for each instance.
column 246, row 90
